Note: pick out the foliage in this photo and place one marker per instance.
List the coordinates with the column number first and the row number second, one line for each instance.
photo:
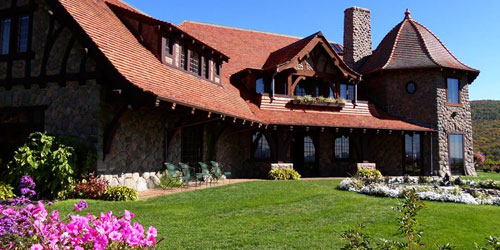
column 29, row 226
column 489, row 184
column 91, row 187
column 120, row 193
column 167, row 182
column 486, row 128
column 409, row 207
column 84, row 158
column 284, row 174
column 320, row 99
column 493, row 244
column 47, row 161
column 356, row 239
column 370, row 174
column 6, row 191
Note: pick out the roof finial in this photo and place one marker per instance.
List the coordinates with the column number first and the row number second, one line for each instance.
column 407, row 14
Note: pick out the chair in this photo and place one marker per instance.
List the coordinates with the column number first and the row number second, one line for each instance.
column 172, row 170
column 218, row 165
column 205, row 173
column 186, row 173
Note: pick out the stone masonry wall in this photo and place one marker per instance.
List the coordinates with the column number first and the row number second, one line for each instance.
column 136, row 155
column 357, row 35
column 455, row 119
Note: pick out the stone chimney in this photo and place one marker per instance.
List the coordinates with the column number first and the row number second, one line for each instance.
column 357, row 36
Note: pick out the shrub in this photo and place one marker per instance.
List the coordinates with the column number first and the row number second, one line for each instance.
column 284, row 174
column 372, row 174
column 47, row 161
column 6, row 191
column 91, row 187
column 120, row 193
column 167, row 182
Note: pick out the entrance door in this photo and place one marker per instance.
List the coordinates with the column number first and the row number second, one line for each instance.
column 412, row 157
column 305, row 155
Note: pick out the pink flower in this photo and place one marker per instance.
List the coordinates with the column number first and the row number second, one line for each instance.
column 152, row 231
column 79, row 248
column 36, row 247
column 128, row 215
column 115, row 236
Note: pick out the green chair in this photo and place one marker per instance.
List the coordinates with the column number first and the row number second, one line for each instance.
column 172, row 170
column 186, row 173
column 219, row 166
column 205, row 174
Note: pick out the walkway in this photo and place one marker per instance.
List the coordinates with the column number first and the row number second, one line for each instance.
column 160, row 192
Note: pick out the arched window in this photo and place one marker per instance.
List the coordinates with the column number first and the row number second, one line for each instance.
column 309, row 150
column 342, row 147
column 261, row 149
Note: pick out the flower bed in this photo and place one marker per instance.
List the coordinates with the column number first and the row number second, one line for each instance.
column 428, row 188
column 24, row 225
column 318, row 101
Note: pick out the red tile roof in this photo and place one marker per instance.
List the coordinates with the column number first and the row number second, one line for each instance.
column 288, row 52
column 246, row 49
column 140, row 67
column 411, row 45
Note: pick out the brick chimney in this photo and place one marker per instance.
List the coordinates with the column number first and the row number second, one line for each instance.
column 357, row 36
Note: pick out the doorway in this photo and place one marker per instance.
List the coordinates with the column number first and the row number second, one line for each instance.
column 413, row 155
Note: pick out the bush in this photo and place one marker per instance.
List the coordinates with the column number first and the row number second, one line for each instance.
column 167, row 182
column 47, row 161
column 91, row 187
column 284, row 174
column 120, row 193
column 372, row 174
column 6, row 191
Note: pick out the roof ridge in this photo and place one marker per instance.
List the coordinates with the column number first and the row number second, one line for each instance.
column 396, row 41
column 419, row 34
column 439, row 40
column 240, row 29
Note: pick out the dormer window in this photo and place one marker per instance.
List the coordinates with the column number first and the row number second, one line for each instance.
column 259, row 86
column 205, row 67
column 347, row 91
column 183, row 58
column 194, row 62
column 217, row 68
column 169, row 49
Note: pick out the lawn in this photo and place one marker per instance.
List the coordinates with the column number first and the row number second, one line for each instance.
column 293, row 215
column 485, row 176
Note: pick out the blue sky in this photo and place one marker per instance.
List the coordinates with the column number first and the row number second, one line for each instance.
column 470, row 29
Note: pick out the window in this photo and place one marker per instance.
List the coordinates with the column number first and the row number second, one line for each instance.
column 194, row 62
column 342, row 147
column 191, row 145
column 205, row 67
column 411, row 88
column 22, row 35
column 217, row 68
column 309, row 150
column 412, row 154
column 456, row 145
column 347, row 91
column 183, row 58
column 168, row 46
column 5, row 35
column 260, row 146
column 300, row 90
column 259, row 86
column 331, row 94
column 453, row 90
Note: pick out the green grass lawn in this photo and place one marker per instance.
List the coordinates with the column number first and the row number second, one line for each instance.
column 292, row 215
column 485, row 176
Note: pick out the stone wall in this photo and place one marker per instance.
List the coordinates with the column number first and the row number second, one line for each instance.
column 72, row 110
column 455, row 119
column 136, row 154
column 357, row 36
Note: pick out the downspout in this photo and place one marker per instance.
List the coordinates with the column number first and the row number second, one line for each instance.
column 356, row 90
column 272, row 83
column 432, row 161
